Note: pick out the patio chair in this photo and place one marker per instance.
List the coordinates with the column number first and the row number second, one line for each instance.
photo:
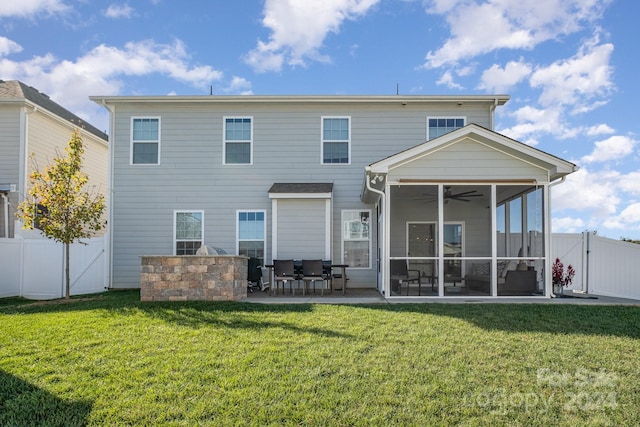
column 313, row 271
column 401, row 274
column 265, row 279
column 283, row 272
column 253, row 274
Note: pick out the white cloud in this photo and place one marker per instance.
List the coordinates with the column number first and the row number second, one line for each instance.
column 612, row 148
column 588, row 191
column 100, row 71
column 578, row 80
column 29, row 8
column 116, row 11
column 533, row 122
column 8, row 46
column 631, row 214
column 601, row 129
column 446, row 79
column 239, row 85
column 298, row 30
column 630, row 183
column 600, row 196
column 481, row 27
column 500, row 79
column 568, row 225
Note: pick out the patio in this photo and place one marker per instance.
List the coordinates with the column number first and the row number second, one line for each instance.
column 372, row 296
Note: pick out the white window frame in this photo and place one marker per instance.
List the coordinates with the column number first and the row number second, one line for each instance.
column 175, row 227
column 133, row 119
column 369, row 239
column 464, row 118
column 322, row 140
column 264, row 231
column 225, row 141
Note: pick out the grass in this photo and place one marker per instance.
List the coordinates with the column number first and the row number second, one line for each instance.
column 112, row 360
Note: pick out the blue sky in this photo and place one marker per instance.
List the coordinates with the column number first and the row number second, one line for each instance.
column 570, row 67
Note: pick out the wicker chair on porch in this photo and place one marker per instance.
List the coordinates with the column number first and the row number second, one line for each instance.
column 402, row 275
column 313, row 271
column 283, row 272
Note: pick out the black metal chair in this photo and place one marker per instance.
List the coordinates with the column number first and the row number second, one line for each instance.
column 283, row 272
column 313, row 271
column 253, row 274
column 401, row 274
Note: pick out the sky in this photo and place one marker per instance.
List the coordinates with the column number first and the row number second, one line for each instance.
column 571, row 68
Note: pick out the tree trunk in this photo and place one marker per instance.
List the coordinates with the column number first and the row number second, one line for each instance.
column 66, row 272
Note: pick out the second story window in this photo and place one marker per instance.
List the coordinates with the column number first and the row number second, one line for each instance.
column 336, row 140
column 145, row 141
column 238, row 139
column 437, row 126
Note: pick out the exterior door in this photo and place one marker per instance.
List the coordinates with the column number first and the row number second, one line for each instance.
column 422, row 243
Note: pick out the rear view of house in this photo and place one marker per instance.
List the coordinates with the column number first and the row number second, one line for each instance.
column 368, row 181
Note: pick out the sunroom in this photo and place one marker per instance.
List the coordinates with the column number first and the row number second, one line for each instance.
column 465, row 215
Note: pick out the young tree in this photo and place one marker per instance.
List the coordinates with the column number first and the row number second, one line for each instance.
column 59, row 205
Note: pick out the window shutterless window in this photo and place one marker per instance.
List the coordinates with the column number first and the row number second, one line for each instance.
column 238, row 140
column 145, row 140
column 336, row 140
column 356, row 238
column 437, row 126
column 189, row 226
column 250, row 229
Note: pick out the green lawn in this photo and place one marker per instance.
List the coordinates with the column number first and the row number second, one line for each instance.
column 112, row 360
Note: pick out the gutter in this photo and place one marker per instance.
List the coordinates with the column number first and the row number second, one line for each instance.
column 367, row 180
column 381, row 263
column 111, row 149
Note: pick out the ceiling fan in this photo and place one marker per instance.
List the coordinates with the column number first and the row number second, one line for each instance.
column 464, row 196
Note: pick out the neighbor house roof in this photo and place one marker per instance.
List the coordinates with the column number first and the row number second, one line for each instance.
column 16, row 91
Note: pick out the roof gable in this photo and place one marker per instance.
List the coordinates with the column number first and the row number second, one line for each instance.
column 556, row 166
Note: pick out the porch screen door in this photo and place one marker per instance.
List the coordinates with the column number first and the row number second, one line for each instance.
column 421, row 242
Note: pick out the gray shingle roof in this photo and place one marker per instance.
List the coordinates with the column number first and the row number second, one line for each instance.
column 311, row 187
column 14, row 89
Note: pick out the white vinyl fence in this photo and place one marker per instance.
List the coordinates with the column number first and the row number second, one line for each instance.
column 34, row 268
column 603, row 266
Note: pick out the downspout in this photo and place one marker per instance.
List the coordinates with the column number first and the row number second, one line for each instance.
column 5, row 210
column 492, row 111
column 109, row 234
column 367, row 179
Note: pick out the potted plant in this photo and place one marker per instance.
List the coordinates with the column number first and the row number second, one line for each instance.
column 560, row 277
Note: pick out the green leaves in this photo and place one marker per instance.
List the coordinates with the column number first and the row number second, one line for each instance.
column 58, row 202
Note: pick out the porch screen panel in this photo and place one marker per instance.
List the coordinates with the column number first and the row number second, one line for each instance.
column 301, row 229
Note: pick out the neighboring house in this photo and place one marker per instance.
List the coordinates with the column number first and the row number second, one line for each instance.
column 362, row 180
column 32, row 124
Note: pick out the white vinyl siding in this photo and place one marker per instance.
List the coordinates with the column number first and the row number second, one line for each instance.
column 188, row 232
column 238, row 140
column 251, row 231
column 356, row 238
column 438, row 126
column 289, row 139
column 336, row 140
column 145, row 140
column 301, row 227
